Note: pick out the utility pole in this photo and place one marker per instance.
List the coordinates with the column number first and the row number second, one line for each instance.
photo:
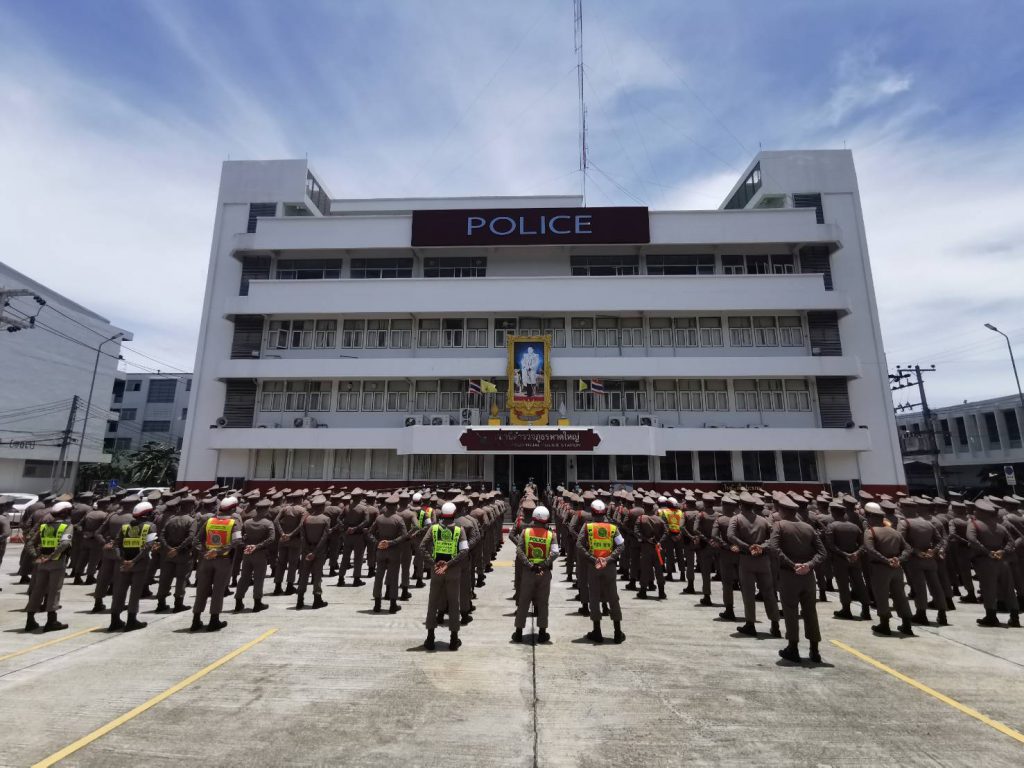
column 57, row 480
column 901, row 380
column 88, row 407
column 577, row 8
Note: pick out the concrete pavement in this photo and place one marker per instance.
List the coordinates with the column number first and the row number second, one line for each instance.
column 343, row 686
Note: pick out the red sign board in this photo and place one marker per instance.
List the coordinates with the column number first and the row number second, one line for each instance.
column 527, row 440
column 531, row 226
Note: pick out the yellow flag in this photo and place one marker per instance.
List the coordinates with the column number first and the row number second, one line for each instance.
column 488, row 387
column 583, row 386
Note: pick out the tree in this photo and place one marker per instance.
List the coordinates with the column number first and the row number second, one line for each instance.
column 153, row 464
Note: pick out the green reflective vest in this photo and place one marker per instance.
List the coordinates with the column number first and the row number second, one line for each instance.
column 50, row 535
column 446, row 540
column 134, row 536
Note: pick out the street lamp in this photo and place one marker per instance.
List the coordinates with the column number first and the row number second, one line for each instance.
column 88, row 405
column 1012, row 361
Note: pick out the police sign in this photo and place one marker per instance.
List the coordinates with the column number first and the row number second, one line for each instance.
column 529, row 226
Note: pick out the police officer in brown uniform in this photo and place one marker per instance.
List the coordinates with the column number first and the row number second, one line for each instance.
column 410, row 517
column 92, row 544
column 354, row 523
column 536, row 551
column 844, row 541
column 6, row 503
column 728, row 561
column 176, row 534
column 333, row 511
column 446, row 548
column 48, row 547
column 372, row 510
column 314, row 536
column 748, row 537
column 922, row 567
column 651, row 531
column 800, row 550
column 288, row 521
column 886, row 551
column 133, row 546
column 119, row 516
column 960, row 550
column 386, row 534
column 259, row 536
column 601, row 545
column 706, row 553
column 993, row 549
column 215, row 541
column 468, row 523
column 79, row 554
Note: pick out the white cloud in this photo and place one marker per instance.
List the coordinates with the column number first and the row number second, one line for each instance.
column 863, row 82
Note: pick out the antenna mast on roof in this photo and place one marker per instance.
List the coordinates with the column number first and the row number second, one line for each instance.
column 577, row 6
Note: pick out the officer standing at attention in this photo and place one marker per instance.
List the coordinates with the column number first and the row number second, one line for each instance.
column 314, row 536
column 387, row 533
column 446, row 548
column 922, row 567
column 6, row 503
column 748, row 537
column 601, row 545
column 410, row 516
column 536, row 551
column 728, row 560
column 215, row 541
column 844, row 540
column 79, row 555
column 49, row 547
column 176, row 535
column 354, row 523
column 651, row 531
column 800, row 551
column 992, row 546
column 119, row 516
column 288, row 545
column 886, row 552
column 258, row 540
column 133, row 547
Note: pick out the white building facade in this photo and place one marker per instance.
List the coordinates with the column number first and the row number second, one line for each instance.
column 738, row 345
column 44, row 367
column 147, row 408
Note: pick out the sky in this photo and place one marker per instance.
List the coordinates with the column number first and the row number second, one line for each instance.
column 115, row 116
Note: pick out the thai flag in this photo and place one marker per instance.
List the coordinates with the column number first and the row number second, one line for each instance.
column 597, row 386
column 474, row 387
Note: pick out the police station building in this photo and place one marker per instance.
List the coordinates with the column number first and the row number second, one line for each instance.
column 493, row 340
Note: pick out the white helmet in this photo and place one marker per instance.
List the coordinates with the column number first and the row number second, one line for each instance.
column 229, row 503
column 61, row 506
column 417, row 497
column 142, row 508
column 673, row 501
column 873, row 508
column 598, row 506
column 447, row 509
column 541, row 515
column 663, row 499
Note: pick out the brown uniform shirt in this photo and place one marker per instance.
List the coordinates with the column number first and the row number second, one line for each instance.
column 797, row 543
column 747, row 530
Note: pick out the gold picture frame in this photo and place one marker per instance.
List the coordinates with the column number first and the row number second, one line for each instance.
column 529, row 370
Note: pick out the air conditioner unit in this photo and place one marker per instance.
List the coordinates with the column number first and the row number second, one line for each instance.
column 469, row 417
column 816, row 351
column 437, row 419
column 304, row 422
column 412, row 421
column 616, row 421
column 649, row 421
column 222, row 422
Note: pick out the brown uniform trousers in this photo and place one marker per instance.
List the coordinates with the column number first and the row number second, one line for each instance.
column 129, row 585
column 534, row 588
column 47, row 582
column 211, row 584
column 445, row 595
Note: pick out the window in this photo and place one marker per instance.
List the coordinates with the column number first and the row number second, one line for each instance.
column 349, row 464
column 503, row 328
column 607, row 332
column 604, row 266
column 947, row 437
column 373, row 396
column 307, row 464
column 188, row 385
column 1012, row 430
column 467, row 467
column 455, row 266
column 326, row 334
column 156, row 426
column 665, row 398
column 352, row 333
column 630, row 469
column 427, row 466
column 691, row 395
column 555, row 328
column 592, row 468
column 108, row 444
column 762, row 395
column 961, row 430
column 791, row 331
column 386, row 465
column 128, row 414
column 123, row 444
column 308, row 269
column 560, row 395
column 453, row 393
column 319, row 395
column 366, row 269
column 746, row 191
column 681, row 265
column 800, row 466
column 715, row 465
column 256, row 210
column 401, row 334
column 452, row 332
column 295, row 396
column 631, row 332
column 270, row 464
column 397, row 396
column 710, row 331
column 783, row 264
column 582, row 331
column 991, row 429
column 426, row 395
column 134, row 386
column 677, row 465
column 161, row 390
column 348, row 395
column 766, row 332
column 798, row 398
column 301, row 334
column 733, row 265
column 660, row 331
column 272, row 396
column 476, row 332
column 759, row 466
column 184, row 414
column 376, row 334
column 740, row 332
column 716, row 395
column 37, row 468
column 430, row 332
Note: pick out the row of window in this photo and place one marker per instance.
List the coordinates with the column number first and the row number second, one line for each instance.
column 584, row 332
column 707, row 466
column 359, row 464
column 428, row 395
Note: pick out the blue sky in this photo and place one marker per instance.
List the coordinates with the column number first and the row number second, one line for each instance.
column 117, row 114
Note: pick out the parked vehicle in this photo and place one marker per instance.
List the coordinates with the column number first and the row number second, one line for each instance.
column 143, row 492
column 22, row 501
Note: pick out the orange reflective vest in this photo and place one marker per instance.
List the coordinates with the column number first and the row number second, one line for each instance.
column 601, row 538
column 673, row 519
column 218, row 532
column 538, row 544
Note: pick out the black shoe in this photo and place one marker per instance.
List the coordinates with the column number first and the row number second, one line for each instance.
column 990, row 620
column 466, row 618
column 920, row 617
column 619, row 636
column 372, row 572
column 970, row 599
column 148, row 594
column 333, row 572
column 454, row 643
column 583, row 610
column 179, row 606
column 728, row 615
column 641, row 595
column 941, row 619
column 161, row 606
column 480, row 582
column 517, row 636
column 706, row 602
column 341, row 581
column 277, row 590
column 115, row 622
column 661, row 593
column 290, row 590
column 690, row 591
column 747, row 629
column 419, row 584
column 815, row 655
column 669, row 577
column 24, row 580
column 90, row 581
column 1014, row 621
column 358, row 583
column 905, row 629
column 543, row 636
column 630, row 586
column 865, row 612
column 197, row 623
column 822, row 597
column 406, row 595
column 774, row 631
column 318, row 602
column 52, row 625
column 31, row 625
column 259, row 607
column 215, row 625
column 843, row 613
column 394, row 607
column 239, row 606
column 595, row 635
column 791, row 653
column 605, row 610
column 882, row 627
column 300, row 603
column 429, row 642
column 376, row 605
column 134, row 623
column 78, row 581
column 98, row 607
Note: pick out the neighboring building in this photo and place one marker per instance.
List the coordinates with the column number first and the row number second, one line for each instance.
column 339, row 337
column 43, row 366
column 150, row 408
column 975, row 442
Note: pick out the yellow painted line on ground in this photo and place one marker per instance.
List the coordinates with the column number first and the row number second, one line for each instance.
column 104, row 730
column 48, row 643
column 971, row 712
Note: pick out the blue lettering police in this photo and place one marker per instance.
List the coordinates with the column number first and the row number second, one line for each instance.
column 502, row 226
